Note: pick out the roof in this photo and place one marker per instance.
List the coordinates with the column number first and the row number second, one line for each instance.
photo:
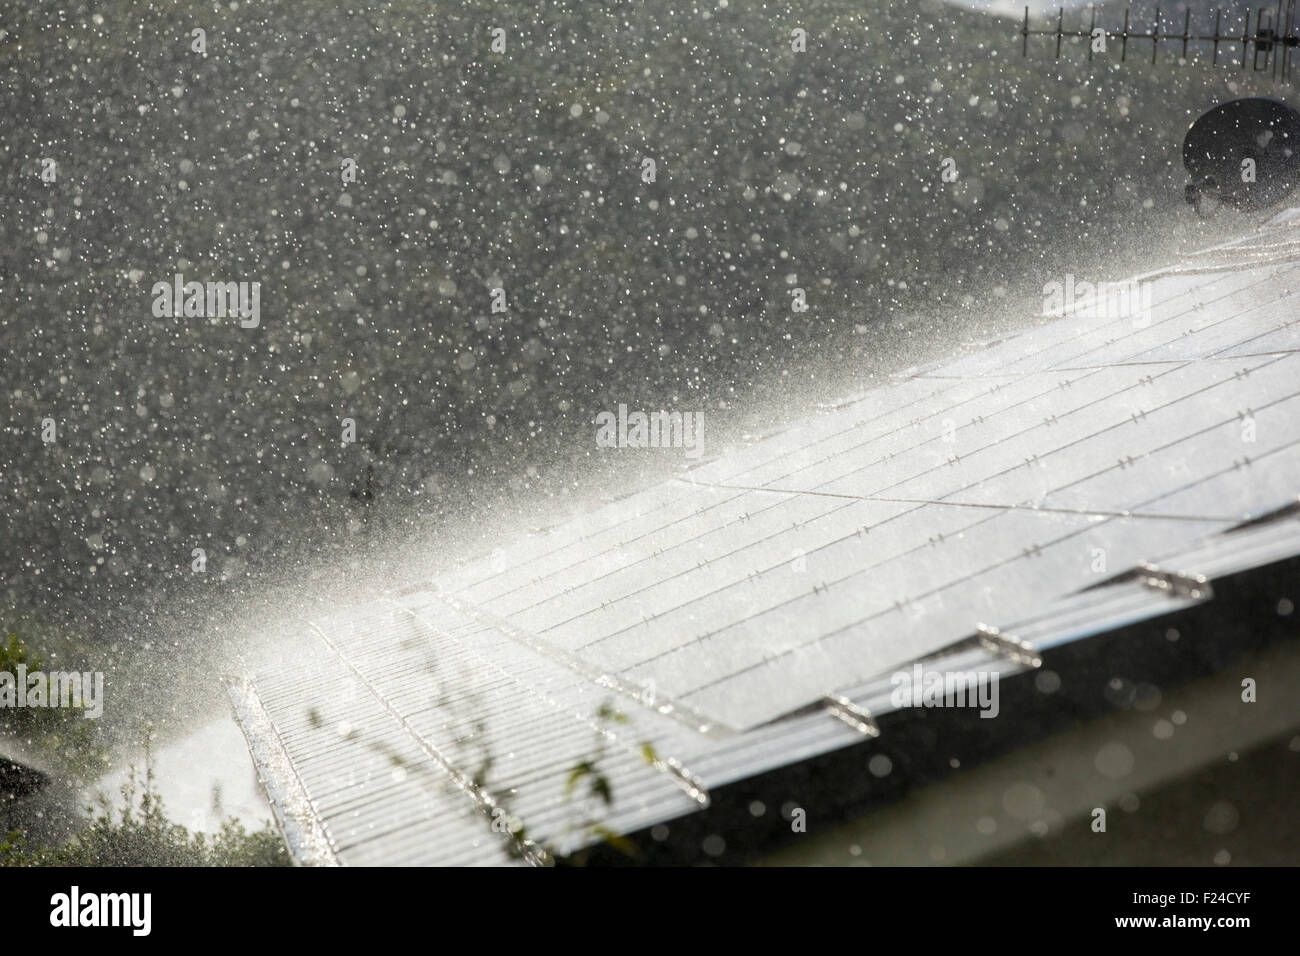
column 22, row 772
column 619, row 672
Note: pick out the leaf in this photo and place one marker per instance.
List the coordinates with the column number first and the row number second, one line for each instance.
column 616, row 840
column 577, row 773
column 607, row 712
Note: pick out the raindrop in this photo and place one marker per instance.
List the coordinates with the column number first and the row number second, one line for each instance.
column 1222, row 818
column 1023, row 801
column 1114, row 760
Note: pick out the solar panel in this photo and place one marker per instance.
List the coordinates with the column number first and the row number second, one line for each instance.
column 603, row 676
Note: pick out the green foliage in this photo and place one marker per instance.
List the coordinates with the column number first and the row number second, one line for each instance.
column 599, row 786
column 138, row 833
column 61, row 735
column 16, row 652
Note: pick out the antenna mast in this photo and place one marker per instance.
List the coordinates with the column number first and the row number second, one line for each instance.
column 1272, row 40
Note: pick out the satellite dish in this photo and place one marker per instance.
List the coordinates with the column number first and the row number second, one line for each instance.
column 1244, row 153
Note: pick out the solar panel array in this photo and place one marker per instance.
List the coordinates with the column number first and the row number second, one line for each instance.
column 598, row 677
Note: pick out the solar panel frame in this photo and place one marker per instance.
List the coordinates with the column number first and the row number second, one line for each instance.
column 718, row 617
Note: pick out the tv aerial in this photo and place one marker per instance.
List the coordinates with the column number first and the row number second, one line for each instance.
column 1243, row 153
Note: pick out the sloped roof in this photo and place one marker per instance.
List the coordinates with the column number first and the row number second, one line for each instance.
column 746, row 615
